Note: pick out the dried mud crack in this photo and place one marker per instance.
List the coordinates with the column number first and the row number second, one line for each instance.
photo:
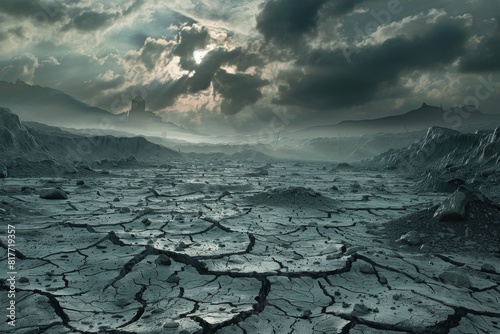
column 277, row 257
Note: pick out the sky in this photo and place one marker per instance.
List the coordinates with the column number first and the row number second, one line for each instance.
column 241, row 66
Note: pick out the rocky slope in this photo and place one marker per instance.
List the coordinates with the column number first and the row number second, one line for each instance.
column 21, row 144
column 443, row 148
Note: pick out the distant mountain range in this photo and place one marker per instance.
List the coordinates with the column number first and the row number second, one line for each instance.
column 414, row 120
column 53, row 107
column 47, row 105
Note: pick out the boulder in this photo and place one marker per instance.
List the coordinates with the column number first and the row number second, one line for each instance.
column 55, row 193
column 163, row 260
column 453, row 208
column 488, row 268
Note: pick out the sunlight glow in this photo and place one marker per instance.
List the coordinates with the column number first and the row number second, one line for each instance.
column 198, row 55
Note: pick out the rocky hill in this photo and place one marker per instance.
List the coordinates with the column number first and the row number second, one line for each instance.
column 21, row 142
column 443, row 148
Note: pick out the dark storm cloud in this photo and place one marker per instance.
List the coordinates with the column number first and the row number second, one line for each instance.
column 89, row 21
column 486, row 56
column 329, row 82
column 206, row 70
column 342, row 7
column 238, row 90
column 40, row 11
column 190, row 39
column 285, row 21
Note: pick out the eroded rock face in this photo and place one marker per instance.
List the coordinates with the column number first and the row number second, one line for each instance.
column 53, row 194
column 453, row 208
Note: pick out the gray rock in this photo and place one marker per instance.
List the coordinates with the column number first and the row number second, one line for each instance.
column 488, row 268
column 359, row 310
column 173, row 279
column 452, row 209
column 411, row 238
column 171, row 325
column 163, row 260
column 455, row 278
column 366, row 269
column 55, row 193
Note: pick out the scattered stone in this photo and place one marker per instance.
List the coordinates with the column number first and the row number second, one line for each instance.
column 224, row 194
column 24, row 280
column 452, row 209
column 455, row 278
column 105, row 172
column 359, row 310
column 116, row 199
column 55, row 194
column 27, row 190
column 163, row 260
column 488, row 268
column 181, row 246
column 173, row 279
column 306, row 314
column 418, row 280
column 367, row 269
column 80, row 183
column 125, row 210
column 158, row 310
column 382, row 280
column 411, row 238
column 171, row 325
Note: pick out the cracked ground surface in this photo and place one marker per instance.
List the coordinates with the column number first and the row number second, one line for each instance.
column 189, row 250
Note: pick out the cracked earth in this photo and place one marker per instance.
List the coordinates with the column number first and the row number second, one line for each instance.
column 221, row 248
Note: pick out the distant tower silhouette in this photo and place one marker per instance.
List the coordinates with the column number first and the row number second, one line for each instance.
column 138, row 105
